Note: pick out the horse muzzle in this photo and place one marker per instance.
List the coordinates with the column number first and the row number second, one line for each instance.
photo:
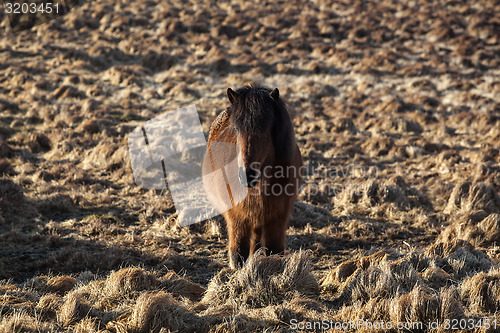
column 248, row 178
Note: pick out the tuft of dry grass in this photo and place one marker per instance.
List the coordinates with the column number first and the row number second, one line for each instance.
column 86, row 325
column 480, row 229
column 73, row 309
column 21, row 322
column 127, row 280
column 378, row 196
column 263, row 281
column 48, row 305
column 377, row 276
column 52, row 284
column 459, row 258
column 467, row 197
column 436, row 277
column 156, row 310
column 415, row 287
column 38, row 142
column 55, row 204
column 61, row 284
column 418, row 305
column 481, row 292
column 13, row 204
column 181, row 286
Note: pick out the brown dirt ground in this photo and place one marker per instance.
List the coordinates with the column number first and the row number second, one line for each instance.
column 396, row 108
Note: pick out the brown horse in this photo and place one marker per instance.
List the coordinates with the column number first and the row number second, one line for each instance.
column 266, row 164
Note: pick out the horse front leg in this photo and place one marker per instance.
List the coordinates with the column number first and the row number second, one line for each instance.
column 275, row 238
column 239, row 243
column 256, row 240
column 275, row 226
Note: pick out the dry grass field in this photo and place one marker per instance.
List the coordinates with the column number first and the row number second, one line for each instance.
column 396, row 107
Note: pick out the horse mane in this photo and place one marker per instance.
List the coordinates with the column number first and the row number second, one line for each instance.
column 255, row 111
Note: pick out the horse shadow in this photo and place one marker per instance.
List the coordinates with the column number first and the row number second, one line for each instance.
column 41, row 236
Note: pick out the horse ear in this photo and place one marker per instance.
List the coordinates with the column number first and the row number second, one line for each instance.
column 232, row 95
column 275, row 94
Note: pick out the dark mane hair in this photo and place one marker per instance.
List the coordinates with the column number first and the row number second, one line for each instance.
column 254, row 109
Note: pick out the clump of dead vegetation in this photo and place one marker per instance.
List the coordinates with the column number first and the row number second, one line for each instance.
column 129, row 280
column 130, row 299
column 448, row 280
column 14, row 206
column 181, row 286
column 23, row 322
column 479, row 228
column 480, row 293
column 154, row 310
column 394, row 192
column 467, row 197
column 473, row 214
column 263, row 281
column 136, row 300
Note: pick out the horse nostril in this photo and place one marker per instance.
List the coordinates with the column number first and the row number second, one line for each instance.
column 242, row 176
column 251, row 178
column 247, row 178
